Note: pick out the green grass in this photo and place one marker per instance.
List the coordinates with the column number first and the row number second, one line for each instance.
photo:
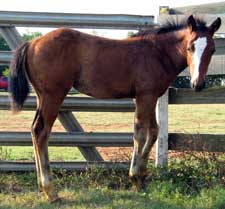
column 104, row 198
column 26, row 153
column 197, row 118
column 182, row 118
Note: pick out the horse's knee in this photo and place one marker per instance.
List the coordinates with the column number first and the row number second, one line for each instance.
column 138, row 165
column 39, row 132
column 154, row 131
column 153, row 134
column 46, row 179
column 151, row 139
column 38, row 125
column 139, row 135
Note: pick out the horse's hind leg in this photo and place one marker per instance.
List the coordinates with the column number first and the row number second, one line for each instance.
column 46, row 115
column 34, row 124
column 145, row 135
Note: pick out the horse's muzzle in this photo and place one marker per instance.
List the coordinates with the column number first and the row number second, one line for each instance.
column 198, row 86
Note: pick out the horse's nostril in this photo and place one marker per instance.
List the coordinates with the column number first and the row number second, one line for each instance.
column 199, row 87
column 204, row 85
column 192, row 85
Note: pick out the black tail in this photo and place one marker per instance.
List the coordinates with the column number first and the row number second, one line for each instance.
column 18, row 81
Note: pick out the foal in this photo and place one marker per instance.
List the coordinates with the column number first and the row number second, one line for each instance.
column 140, row 67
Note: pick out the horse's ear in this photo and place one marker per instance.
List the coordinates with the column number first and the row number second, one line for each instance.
column 215, row 25
column 191, row 23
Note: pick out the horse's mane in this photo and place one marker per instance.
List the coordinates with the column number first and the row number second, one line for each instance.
column 171, row 25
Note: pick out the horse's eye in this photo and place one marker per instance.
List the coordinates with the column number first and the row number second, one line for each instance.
column 191, row 48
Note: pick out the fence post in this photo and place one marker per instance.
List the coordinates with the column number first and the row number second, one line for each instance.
column 162, row 140
column 71, row 124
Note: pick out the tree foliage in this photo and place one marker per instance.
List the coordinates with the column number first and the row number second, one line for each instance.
column 31, row 35
column 28, row 36
column 211, row 81
column 130, row 33
column 3, row 44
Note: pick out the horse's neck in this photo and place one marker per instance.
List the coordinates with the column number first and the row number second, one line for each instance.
column 174, row 45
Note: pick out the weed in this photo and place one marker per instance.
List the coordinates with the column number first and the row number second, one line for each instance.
column 94, row 177
column 191, row 173
column 5, row 153
column 195, row 181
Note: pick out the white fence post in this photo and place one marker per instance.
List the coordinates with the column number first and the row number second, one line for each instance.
column 162, row 140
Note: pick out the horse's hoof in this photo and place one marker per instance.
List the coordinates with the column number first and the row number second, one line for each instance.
column 139, row 183
column 55, row 199
column 141, row 187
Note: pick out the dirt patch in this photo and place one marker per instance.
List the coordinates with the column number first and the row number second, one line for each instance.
column 115, row 153
column 119, row 153
column 125, row 153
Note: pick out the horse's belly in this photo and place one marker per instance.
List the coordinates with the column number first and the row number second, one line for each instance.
column 104, row 92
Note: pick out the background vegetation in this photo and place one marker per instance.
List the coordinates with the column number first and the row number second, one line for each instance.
column 4, row 47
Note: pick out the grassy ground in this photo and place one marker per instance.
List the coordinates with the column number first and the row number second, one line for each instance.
column 82, row 198
column 182, row 118
column 185, row 185
column 197, row 118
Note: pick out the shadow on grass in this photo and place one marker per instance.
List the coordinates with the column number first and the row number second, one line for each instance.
column 100, row 199
column 73, row 204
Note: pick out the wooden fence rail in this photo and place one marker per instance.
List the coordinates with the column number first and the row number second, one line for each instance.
column 100, row 21
column 176, row 141
column 84, row 104
column 12, row 166
column 84, row 140
column 87, row 104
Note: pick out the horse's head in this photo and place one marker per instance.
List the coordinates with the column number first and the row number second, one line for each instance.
column 200, row 49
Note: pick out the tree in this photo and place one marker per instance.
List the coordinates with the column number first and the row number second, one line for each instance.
column 130, row 33
column 5, row 47
column 31, row 35
column 26, row 37
column 3, row 44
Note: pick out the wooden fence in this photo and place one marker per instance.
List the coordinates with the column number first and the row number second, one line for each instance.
column 76, row 136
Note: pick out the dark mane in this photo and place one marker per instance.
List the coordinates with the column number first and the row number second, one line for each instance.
column 171, row 25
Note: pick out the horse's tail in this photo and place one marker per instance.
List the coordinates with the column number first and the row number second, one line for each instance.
column 18, row 80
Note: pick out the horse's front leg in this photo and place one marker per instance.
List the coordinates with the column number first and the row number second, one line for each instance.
column 145, row 135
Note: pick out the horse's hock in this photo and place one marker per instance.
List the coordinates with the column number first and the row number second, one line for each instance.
column 87, row 142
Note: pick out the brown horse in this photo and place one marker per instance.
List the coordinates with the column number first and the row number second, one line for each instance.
column 140, row 67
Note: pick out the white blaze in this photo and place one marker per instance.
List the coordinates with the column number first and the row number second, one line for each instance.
column 200, row 45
